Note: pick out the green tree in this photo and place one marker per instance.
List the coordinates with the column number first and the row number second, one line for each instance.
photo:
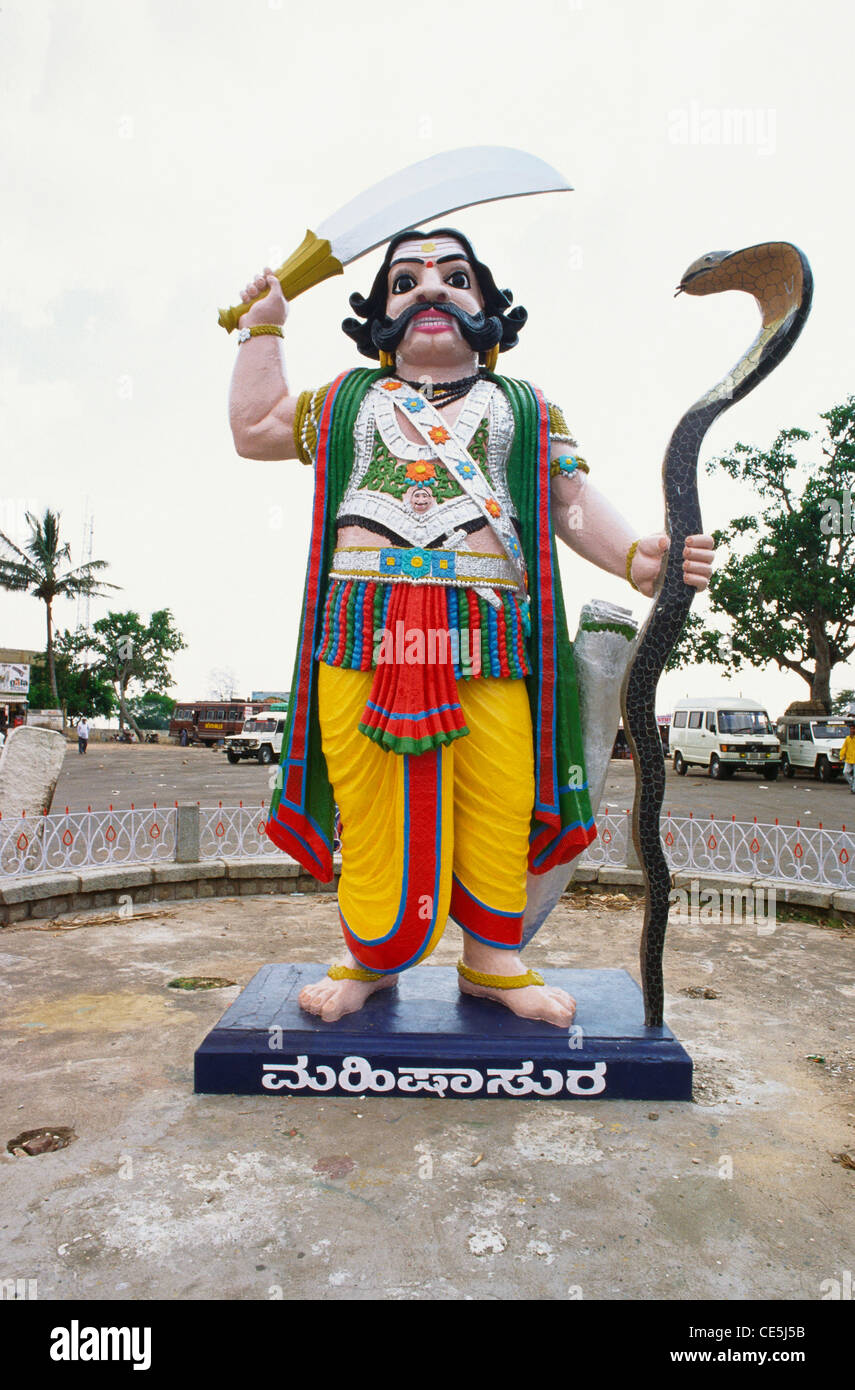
column 843, row 701
column 787, row 581
column 128, row 651
column 82, row 689
column 39, row 568
column 152, row 710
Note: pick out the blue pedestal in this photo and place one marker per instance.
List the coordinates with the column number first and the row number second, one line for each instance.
column 424, row 1038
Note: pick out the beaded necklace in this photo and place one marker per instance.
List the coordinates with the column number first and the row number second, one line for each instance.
column 442, row 393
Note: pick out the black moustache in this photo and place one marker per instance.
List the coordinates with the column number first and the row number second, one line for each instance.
column 479, row 331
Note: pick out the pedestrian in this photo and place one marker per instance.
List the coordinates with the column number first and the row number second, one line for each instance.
column 83, row 734
column 847, row 757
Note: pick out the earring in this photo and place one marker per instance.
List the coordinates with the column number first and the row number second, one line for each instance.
column 492, row 358
column 387, row 361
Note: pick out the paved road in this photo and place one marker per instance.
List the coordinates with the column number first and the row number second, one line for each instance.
column 121, row 774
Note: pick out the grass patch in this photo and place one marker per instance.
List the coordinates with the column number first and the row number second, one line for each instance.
column 200, row 982
column 825, row 917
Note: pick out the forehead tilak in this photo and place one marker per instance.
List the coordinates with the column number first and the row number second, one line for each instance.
column 433, row 248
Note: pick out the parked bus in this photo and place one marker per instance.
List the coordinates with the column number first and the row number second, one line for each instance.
column 211, row 721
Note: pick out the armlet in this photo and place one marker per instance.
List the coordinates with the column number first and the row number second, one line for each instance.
column 566, row 465
column 307, row 418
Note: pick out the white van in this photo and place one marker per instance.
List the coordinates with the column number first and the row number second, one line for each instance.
column 812, row 742
column 724, row 735
column 260, row 738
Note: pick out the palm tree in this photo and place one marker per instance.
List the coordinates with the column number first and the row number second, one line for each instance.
column 38, row 567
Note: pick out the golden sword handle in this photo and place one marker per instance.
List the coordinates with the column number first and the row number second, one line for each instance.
column 309, row 265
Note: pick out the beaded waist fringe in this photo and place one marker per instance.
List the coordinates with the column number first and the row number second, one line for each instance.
column 360, row 632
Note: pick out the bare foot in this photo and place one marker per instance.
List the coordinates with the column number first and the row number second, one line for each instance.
column 547, row 1003
column 332, row 999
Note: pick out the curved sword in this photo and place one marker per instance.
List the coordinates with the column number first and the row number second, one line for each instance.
column 429, row 189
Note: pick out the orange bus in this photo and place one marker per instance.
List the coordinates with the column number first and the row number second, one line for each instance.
column 210, row 721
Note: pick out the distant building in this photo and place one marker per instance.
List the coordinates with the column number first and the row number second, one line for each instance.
column 15, row 664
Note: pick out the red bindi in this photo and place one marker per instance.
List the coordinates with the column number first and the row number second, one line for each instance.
column 429, row 264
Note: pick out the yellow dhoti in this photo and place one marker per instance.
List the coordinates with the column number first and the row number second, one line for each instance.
column 428, row 836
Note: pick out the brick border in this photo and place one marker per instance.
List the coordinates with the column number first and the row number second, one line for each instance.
column 50, row 895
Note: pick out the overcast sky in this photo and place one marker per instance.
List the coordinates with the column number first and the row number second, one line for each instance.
column 156, row 153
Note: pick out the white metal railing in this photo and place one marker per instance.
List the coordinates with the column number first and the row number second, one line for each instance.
column 83, row 839
column 86, row 839
column 705, row 844
column 612, row 842
column 234, row 832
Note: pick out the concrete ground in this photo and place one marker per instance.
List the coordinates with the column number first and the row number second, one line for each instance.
column 122, row 773
column 167, row 1194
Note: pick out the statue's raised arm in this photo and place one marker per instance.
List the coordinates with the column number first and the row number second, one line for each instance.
column 261, row 409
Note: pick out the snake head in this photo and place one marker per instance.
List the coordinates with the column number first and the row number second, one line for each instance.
column 774, row 272
column 698, row 278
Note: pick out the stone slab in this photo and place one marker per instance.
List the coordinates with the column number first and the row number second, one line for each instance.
column 803, row 894
column 685, row 878
column 613, row 873
column 277, row 867
column 183, row 873
column 30, row 764
column 843, row 902
column 27, row 890
column 118, row 876
column 424, row 1038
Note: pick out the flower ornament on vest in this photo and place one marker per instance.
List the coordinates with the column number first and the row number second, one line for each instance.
column 414, row 404
column 492, row 506
column 422, row 471
column 439, row 434
column 465, row 469
column 390, row 385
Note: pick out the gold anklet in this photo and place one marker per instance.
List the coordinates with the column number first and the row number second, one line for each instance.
column 478, row 977
column 351, row 972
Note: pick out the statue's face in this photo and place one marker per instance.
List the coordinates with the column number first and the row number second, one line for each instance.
column 432, row 272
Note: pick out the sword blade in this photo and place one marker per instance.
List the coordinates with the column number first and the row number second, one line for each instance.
column 430, row 189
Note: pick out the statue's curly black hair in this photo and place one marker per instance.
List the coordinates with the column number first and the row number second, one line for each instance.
column 372, row 310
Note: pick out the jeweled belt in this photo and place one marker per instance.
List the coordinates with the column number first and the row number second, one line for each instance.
column 413, row 565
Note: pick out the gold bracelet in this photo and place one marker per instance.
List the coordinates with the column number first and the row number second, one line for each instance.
column 258, row 330
column 630, row 556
